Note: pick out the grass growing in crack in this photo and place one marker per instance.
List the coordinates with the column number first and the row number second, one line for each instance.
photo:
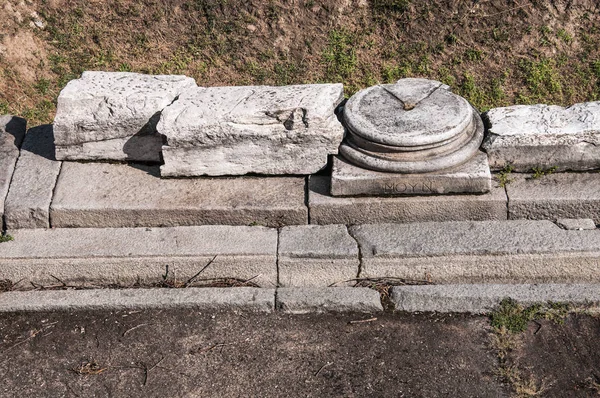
column 539, row 172
column 6, row 238
column 504, row 175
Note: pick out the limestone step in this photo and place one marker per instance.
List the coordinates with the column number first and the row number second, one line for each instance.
column 104, row 195
column 523, row 251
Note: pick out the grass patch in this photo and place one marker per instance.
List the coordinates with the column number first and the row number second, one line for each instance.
column 513, row 317
column 6, row 238
column 540, row 172
column 339, row 56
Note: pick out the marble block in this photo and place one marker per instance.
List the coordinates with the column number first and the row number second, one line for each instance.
column 113, row 115
column 471, row 177
column 544, row 136
column 255, row 129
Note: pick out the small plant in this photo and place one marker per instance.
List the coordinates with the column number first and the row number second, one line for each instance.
column 474, row 55
column 504, row 175
column 564, row 36
column 451, row 38
column 513, row 317
column 6, row 238
column 539, row 172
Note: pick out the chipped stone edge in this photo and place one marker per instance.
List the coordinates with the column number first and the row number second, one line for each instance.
column 246, row 299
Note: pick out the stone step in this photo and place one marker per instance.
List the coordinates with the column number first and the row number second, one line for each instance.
column 102, row 195
column 126, row 256
column 523, row 251
column 484, row 298
column 479, row 252
column 12, row 132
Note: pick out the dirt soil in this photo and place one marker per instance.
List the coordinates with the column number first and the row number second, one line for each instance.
column 190, row 354
column 493, row 52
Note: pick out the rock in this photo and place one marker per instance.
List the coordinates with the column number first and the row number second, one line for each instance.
column 12, row 131
column 479, row 252
column 544, row 136
column 349, row 180
column 484, row 298
column 550, row 197
column 113, row 115
column 316, row 255
column 119, row 195
column 576, row 224
column 332, row 299
column 30, row 193
column 327, row 209
column 256, row 129
column 126, row 256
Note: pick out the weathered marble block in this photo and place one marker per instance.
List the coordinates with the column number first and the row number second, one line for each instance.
column 544, row 136
column 254, row 129
column 12, row 132
column 113, row 115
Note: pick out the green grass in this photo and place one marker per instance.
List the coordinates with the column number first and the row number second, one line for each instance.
column 339, row 56
column 540, row 172
column 6, row 238
column 504, row 175
column 515, row 318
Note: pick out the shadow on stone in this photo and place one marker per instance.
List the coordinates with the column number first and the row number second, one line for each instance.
column 40, row 141
column 146, row 144
column 16, row 127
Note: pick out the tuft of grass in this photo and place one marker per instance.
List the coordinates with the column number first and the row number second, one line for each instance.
column 514, row 318
column 391, row 6
column 504, row 175
column 542, row 77
column 539, row 172
column 6, row 238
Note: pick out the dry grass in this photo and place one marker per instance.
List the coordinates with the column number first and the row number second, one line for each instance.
column 494, row 52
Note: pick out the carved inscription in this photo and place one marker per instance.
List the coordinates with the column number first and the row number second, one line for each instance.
column 408, row 187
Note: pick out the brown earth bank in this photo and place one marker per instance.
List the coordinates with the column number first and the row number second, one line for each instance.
column 495, row 52
column 187, row 353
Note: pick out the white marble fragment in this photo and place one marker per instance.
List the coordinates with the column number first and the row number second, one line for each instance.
column 544, row 136
column 113, row 115
column 254, row 129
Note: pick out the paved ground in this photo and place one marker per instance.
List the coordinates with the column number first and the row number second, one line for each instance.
column 189, row 354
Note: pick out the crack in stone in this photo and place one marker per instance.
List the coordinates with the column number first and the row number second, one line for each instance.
column 407, row 106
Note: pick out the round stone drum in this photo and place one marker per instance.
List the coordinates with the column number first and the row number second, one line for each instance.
column 412, row 126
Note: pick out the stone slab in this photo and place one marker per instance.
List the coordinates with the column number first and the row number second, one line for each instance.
column 550, row 197
column 113, row 115
column 544, row 136
column 350, row 180
column 206, row 299
column 127, row 256
column 12, row 132
column 484, row 298
column 332, row 299
column 30, row 193
column 578, row 224
column 326, row 209
column 120, row 195
column 479, row 252
column 251, row 129
column 316, row 255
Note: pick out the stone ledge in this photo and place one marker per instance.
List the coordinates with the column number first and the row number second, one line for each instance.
column 332, row 299
column 102, row 195
column 479, row 252
column 315, row 255
column 326, row 209
column 207, row 299
column 126, row 256
column 12, row 132
column 484, row 298
column 30, row 193
column 550, row 197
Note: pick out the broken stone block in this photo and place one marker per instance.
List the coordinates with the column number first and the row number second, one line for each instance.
column 255, row 129
column 541, row 136
column 113, row 115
